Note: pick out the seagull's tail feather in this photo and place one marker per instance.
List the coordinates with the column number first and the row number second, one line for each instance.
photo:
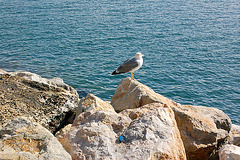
column 115, row 72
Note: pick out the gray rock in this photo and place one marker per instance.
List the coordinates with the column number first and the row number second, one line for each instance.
column 23, row 139
column 50, row 102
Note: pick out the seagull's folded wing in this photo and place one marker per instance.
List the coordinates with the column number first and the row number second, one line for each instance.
column 128, row 65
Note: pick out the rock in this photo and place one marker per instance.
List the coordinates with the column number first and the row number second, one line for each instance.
column 154, row 130
column 50, row 102
column 60, row 135
column 236, row 134
column 229, row 152
column 203, row 130
column 2, row 72
column 149, row 132
column 92, row 102
column 94, row 134
column 23, row 139
column 63, row 131
column 133, row 94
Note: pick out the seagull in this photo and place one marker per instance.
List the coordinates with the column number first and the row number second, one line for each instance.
column 130, row 65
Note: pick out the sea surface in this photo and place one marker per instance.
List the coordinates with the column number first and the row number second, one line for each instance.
column 191, row 47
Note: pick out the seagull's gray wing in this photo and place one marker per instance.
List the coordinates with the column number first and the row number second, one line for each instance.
column 128, row 65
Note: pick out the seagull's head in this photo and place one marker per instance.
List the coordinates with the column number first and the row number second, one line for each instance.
column 139, row 55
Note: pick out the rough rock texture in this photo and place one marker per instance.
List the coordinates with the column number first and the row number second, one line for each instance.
column 148, row 125
column 236, row 134
column 229, row 152
column 60, row 135
column 94, row 134
column 149, row 132
column 92, row 102
column 154, row 125
column 203, row 130
column 132, row 94
column 50, row 102
column 23, row 139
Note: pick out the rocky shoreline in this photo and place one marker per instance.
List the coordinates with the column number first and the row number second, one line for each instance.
column 45, row 119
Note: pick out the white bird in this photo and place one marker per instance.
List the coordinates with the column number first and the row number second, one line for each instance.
column 130, row 65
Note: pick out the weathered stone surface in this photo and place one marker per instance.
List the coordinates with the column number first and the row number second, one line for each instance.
column 203, row 130
column 133, row 94
column 229, row 152
column 94, row 134
column 149, row 132
column 236, row 134
column 154, row 129
column 23, row 139
column 50, row 102
column 60, row 135
column 92, row 102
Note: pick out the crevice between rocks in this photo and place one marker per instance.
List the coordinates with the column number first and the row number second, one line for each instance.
column 68, row 119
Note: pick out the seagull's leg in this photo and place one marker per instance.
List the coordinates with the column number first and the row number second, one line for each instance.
column 132, row 75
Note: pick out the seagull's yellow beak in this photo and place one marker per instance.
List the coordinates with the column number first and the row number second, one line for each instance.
column 142, row 55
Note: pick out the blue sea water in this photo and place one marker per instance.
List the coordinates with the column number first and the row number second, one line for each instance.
column 191, row 47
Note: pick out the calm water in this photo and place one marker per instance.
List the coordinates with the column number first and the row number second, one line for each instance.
column 191, row 47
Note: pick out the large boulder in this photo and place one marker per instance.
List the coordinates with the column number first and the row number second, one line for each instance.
column 133, row 94
column 229, row 152
column 149, row 132
column 50, row 102
column 23, row 139
column 203, row 130
column 154, row 130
